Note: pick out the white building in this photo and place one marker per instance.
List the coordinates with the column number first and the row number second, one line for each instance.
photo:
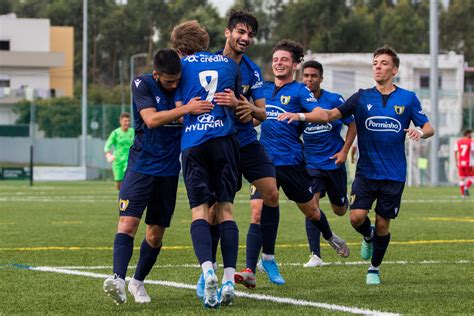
column 346, row 73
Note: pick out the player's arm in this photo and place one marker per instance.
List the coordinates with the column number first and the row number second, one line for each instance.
column 418, row 117
column 341, row 156
column 416, row 134
column 108, row 147
column 245, row 109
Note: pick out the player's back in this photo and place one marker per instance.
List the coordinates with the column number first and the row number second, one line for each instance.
column 204, row 74
column 464, row 147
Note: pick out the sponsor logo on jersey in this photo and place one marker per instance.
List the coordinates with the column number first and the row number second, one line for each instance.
column 256, row 74
column 317, row 128
column 383, row 124
column 137, row 82
column 206, row 58
column 245, row 89
column 421, row 112
column 369, row 106
column 273, row 111
column 285, row 99
column 204, row 122
column 399, row 109
column 311, row 98
column 123, row 204
column 257, row 85
column 157, row 99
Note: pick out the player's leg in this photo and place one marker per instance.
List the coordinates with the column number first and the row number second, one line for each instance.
column 313, row 233
column 336, row 188
column 118, row 169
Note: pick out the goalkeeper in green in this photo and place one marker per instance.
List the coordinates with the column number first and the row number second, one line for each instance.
column 121, row 140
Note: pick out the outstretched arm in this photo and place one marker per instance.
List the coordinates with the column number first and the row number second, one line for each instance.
column 341, row 156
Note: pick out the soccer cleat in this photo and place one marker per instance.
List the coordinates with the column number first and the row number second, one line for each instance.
column 366, row 249
column 200, row 287
column 466, row 192
column 314, row 261
column 137, row 289
column 339, row 245
column 373, row 277
column 246, row 277
column 271, row 269
column 226, row 293
column 210, row 290
column 115, row 288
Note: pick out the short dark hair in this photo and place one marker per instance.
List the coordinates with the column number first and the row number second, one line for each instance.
column 466, row 132
column 167, row 61
column 295, row 48
column 388, row 51
column 243, row 17
column 124, row 115
column 190, row 37
column 313, row 64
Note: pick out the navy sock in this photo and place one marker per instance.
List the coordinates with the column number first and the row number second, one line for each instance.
column 229, row 243
column 380, row 246
column 323, row 225
column 123, row 249
column 147, row 259
column 365, row 229
column 269, row 221
column 314, row 237
column 215, row 236
column 254, row 243
column 202, row 242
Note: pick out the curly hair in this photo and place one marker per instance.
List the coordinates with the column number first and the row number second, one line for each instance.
column 243, row 17
column 295, row 48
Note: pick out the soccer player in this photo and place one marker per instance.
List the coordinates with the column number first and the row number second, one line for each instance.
column 210, row 153
column 151, row 179
column 280, row 137
column 325, row 153
column 382, row 116
column 120, row 139
column 463, row 152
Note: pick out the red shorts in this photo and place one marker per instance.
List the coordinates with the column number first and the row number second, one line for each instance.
column 465, row 171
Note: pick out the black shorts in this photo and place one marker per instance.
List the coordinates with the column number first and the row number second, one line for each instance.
column 211, row 171
column 388, row 194
column 333, row 182
column 255, row 163
column 295, row 182
column 156, row 194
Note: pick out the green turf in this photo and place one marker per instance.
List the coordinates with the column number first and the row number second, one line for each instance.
column 73, row 224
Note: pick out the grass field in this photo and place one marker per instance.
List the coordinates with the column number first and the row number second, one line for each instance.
column 56, row 248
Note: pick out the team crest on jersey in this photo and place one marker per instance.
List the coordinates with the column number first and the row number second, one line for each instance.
column 157, row 99
column 123, row 204
column 245, row 89
column 285, row 99
column 399, row 109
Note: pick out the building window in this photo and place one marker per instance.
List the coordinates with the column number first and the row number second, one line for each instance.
column 4, row 45
column 4, row 83
column 425, row 81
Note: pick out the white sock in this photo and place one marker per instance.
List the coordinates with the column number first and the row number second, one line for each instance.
column 228, row 275
column 267, row 257
column 206, row 266
column 373, row 268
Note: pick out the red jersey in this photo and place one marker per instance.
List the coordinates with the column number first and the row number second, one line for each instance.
column 463, row 147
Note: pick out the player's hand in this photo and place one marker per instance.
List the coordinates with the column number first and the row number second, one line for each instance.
column 110, row 158
column 290, row 117
column 198, row 106
column 226, row 98
column 413, row 134
column 340, row 157
column 244, row 109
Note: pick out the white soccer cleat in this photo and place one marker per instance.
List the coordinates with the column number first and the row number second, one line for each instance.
column 115, row 288
column 314, row 261
column 210, row 290
column 137, row 289
column 339, row 245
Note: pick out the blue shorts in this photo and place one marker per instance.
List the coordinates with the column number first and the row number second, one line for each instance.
column 211, row 171
column 156, row 194
column 388, row 194
column 255, row 163
column 333, row 182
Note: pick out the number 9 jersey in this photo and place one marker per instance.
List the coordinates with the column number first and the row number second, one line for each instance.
column 204, row 74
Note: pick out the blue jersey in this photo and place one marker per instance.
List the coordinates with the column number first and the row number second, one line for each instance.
column 252, row 88
column 280, row 139
column 203, row 74
column 381, row 120
column 155, row 151
column 322, row 141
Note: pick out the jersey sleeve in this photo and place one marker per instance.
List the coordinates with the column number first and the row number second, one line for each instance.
column 348, row 108
column 418, row 117
column 257, row 85
column 307, row 99
column 141, row 95
column 110, row 142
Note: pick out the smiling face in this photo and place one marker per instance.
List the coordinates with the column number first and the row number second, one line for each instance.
column 383, row 69
column 283, row 65
column 312, row 79
column 240, row 38
column 124, row 123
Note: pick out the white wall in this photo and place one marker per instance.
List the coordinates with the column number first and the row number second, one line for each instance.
column 28, row 35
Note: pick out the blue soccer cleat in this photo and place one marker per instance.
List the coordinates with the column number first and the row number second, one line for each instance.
column 200, row 287
column 373, row 277
column 210, row 290
column 226, row 293
column 271, row 269
column 366, row 249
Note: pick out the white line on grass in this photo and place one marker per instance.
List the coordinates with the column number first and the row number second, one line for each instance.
column 336, row 263
column 260, row 297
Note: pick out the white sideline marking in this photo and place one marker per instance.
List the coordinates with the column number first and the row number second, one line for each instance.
column 293, row 264
column 260, row 297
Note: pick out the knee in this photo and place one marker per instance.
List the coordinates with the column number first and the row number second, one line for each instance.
column 128, row 225
column 154, row 240
column 339, row 210
column 357, row 219
column 315, row 215
column 270, row 197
